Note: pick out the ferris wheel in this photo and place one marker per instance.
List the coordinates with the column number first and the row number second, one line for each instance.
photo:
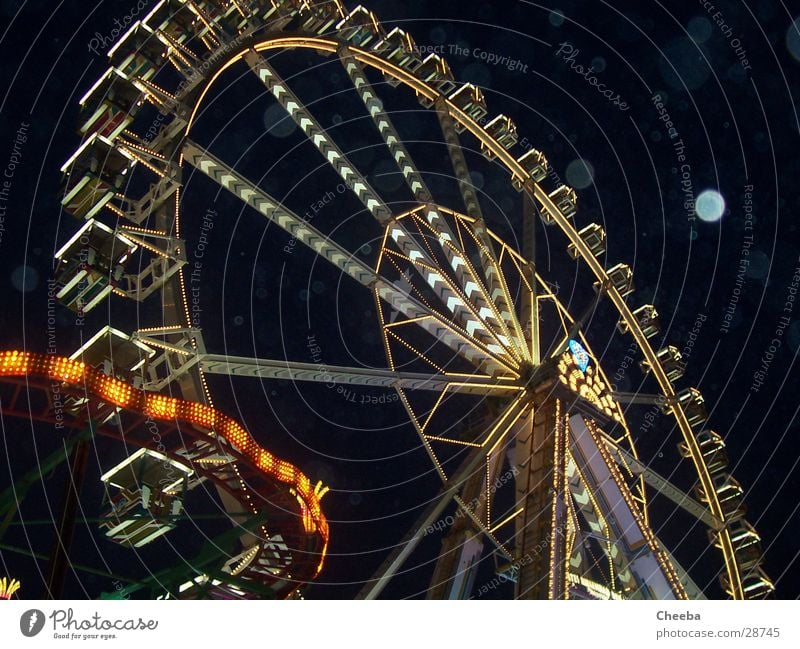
column 542, row 471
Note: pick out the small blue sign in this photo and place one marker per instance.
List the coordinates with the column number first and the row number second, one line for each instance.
column 579, row 355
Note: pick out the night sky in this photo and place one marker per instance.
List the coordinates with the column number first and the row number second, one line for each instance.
column 677, row 125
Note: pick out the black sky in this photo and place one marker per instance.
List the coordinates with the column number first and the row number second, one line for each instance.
column 727, row 79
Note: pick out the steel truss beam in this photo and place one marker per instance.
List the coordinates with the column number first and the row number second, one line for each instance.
column 467, row 279
column 457, row 340
column 665, row 487
column 370, row 377
column 432, row 512
column 491, row 268
column 456, row 567
column 455, row 301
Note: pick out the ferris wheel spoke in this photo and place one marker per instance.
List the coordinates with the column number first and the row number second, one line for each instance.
column 398, row 298
column 449, row 292
column 319, row 137
column 449, row 490
column 459, row 162
column 453, row 299
column 462, row 548
column 467, row 283
column 374, row 106
column 581, row 505
column 530, row 301
column 664, row 486
column 465, row 276
column 491, row 269
column 369, row 377
column 368, row 196
column 426, row 444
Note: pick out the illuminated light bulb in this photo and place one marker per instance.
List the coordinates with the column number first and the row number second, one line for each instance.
column 8, row 588
column 160, row 406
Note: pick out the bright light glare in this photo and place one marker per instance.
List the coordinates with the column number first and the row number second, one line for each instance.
column 710, row 206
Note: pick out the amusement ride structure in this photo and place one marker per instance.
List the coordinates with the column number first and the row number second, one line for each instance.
column 468, row 324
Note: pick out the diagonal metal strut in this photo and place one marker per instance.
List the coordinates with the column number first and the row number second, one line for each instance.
column 457, row 340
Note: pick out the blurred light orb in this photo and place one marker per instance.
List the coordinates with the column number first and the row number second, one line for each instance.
column 684, row 64
column 759, row 265
column 556, row 18
column 709, row 206
column 599, row 63
column 277, row 122
column 25, row 278
column 438, row 35
column 700, row 29
column 580, row 173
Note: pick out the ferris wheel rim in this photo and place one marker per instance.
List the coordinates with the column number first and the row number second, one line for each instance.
column 371, row 59
column 533, row 190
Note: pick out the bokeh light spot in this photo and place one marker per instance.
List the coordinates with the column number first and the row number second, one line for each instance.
column 709, row 206
column 580, row 173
